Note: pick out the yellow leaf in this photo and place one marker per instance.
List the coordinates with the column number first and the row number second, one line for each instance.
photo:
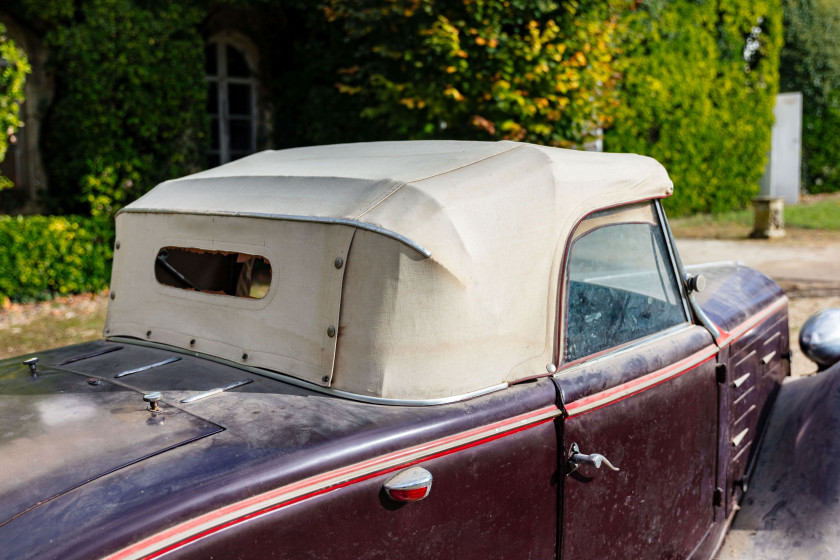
column 453, row 93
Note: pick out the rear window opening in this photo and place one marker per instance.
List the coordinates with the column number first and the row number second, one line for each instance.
column 214, row 272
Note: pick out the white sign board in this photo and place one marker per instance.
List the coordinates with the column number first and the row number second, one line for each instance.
column 782, row 176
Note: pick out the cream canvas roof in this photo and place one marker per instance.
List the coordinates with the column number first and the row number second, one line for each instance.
column 453, row 250
column 391, row 185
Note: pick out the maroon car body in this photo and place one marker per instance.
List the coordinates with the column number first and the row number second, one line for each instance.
column 270, row 465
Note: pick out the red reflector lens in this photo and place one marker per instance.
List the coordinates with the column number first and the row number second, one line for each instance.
column 409, row 495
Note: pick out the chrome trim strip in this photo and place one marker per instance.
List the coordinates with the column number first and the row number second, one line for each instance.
column 736, row 441
column 766, row 359
column 740, row 381
column 744, row 395
column 650, row 339
column 90, row 355
column 673, row 256
column 695, row 308
column 639, row 384
column 741, row 452
column 311, row 386
column 409, row 402
column 772, row 338
column 144, row 368
column 703, row 318
column 216, row 391
column 289, row 217
column 744, row 415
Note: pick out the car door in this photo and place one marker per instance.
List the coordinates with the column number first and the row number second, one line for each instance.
column 639, row 388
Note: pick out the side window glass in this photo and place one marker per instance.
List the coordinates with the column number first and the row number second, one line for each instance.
column 620, row 285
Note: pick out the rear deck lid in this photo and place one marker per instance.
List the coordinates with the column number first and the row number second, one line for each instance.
column 59, row 431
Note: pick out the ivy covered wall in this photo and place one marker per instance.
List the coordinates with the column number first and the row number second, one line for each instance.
column 130, row 99
column 540, row 72
column 689, row 82
column 13, row 73
column 697, row 93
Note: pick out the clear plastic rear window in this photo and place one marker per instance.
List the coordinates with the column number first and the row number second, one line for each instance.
column 214, row 272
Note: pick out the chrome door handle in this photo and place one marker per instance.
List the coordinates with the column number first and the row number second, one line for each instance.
column 576, row 458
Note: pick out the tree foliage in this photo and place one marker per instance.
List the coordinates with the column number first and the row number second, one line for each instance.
column 14, row 67
column 697, row 93
column 130, row 98
column 538, row 71
column 811, row 64
column 690, row 82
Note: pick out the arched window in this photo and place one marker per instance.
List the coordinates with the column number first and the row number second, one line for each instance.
column 231, row 102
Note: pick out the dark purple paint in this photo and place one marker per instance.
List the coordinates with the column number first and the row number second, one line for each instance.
column 495, row 499
column 734, row 293
column 751, row 402
column 660, row 504
column 274, row 434
column 589, row 379
column 59, row 432
column 792, row 507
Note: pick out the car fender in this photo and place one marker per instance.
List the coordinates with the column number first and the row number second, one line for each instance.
column 793, row 504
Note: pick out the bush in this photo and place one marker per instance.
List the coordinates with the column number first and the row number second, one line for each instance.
column 699, row 84
column 521, row 70
column 45, row 256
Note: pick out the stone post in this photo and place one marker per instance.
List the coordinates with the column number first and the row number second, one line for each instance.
column 769, row 217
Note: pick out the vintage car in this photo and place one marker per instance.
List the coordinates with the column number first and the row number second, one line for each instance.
column 398, row 350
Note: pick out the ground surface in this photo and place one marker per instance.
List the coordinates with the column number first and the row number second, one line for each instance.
column 29, row 327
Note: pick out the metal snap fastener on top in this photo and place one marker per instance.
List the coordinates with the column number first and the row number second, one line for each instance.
column 152, row 399
column 32, row 363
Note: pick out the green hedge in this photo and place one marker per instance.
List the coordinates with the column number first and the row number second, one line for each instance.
column 698, row 87
column 45, row 256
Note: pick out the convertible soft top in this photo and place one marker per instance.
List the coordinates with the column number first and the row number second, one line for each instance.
column 450, row 260
column 398, row 187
